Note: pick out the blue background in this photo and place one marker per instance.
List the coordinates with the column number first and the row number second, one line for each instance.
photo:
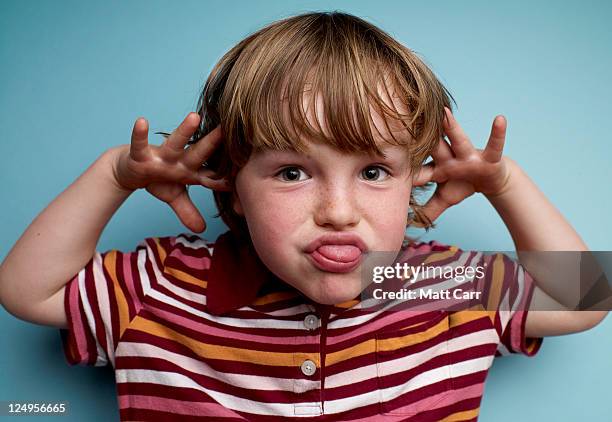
column 75, row 76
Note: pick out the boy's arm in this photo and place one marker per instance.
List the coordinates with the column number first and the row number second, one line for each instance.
column 460, row 170
column 58, row 243
column 536, row 225
column 63, row 238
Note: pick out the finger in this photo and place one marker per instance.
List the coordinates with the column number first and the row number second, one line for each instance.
column 208, row 179
column 425, row 174
column 139, row 142
column 430, row 172
column 495, row 145
column 203, row 148
column 461, row 144
column 442, row 152
column 188, row 213
column 178, row 139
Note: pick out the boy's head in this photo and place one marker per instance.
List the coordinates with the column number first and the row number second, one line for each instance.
column 327, row 120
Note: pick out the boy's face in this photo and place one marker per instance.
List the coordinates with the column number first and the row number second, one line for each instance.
column 290, row 200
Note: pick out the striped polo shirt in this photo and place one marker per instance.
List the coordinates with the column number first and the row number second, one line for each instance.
column 199, row 330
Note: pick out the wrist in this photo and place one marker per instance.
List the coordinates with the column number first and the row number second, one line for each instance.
column 512, row 170
column 113, row 155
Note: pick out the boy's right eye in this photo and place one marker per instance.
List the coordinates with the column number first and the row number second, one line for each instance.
column 290, row 174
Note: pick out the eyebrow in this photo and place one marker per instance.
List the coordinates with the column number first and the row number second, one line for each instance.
column 395, row 160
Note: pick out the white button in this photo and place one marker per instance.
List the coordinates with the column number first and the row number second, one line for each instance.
column 311, row 322
column 308, row 367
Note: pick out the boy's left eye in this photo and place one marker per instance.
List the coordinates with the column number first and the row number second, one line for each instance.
column 290, row 174
column 372, row 173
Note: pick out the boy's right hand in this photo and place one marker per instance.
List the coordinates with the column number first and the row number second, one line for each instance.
column 166, row 170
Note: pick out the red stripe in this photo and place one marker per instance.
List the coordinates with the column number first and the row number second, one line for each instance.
column 91, row 289
column 126, row 282
column 265, row 396
column 293, row 346
column 114, row 308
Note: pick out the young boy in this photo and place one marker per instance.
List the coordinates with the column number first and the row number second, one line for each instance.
column 313, row 132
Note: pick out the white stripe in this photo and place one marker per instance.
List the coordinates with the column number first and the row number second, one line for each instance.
column 294, row 310
column 102, row 292
column 254, row 382
column 227, row 400
column 353, row 402
column 467, row 341
column 412, row 361
column 363, row 373
column 501, row 348
column 160, row 279
column 438, row 374
column 425, row 378
column 466, row 367
column 231, row 322
column 101, row 359
column 142, row 271
column 197, row 244
column 504, row 313
column 521, row 284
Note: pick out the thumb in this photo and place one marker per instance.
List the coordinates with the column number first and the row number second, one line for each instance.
column 187, row 212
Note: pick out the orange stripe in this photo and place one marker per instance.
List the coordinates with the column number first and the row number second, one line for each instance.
column 531, row 343
column 363, row 348
column 370, row 346
column 466, row 415
column 160, row 250
column 414, row 338
column 212, row 351
column 183, row 276
column 497, row 281
column 348, row 304
column 110, row 264
column 468, row 315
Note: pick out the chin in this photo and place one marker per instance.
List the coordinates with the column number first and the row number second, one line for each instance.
column 333, row 292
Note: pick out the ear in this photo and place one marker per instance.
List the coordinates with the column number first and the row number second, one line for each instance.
column 236, row 204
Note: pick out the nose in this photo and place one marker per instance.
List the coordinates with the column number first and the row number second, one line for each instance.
column 336, row 207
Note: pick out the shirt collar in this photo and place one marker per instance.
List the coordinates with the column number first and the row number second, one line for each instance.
column 237, row 276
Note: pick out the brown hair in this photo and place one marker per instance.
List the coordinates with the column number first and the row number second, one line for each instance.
column 341, row 57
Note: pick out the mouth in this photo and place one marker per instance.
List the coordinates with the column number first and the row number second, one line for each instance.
column 331, row 263
column 339, row 252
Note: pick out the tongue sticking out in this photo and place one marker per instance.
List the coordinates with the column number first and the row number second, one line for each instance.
column 340, row 253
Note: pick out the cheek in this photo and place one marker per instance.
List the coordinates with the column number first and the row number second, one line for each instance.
column 389, row 213
column 276, row 227
column 273, row 217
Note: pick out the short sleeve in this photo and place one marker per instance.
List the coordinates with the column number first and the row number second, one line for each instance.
column 508, row 290
column 105, row 296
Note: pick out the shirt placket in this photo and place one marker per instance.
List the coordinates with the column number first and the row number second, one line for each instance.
column 309, row 365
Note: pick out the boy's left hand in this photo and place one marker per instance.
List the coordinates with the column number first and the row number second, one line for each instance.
column 460, row 170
